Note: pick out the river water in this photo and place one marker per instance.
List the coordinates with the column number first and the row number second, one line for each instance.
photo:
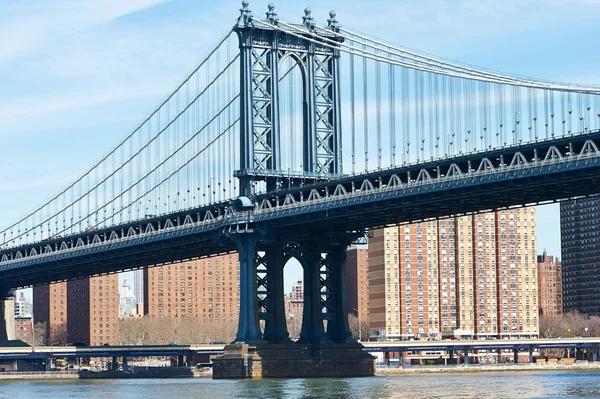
column 509, row 385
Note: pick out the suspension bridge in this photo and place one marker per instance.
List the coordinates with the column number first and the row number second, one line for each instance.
column 292, row 140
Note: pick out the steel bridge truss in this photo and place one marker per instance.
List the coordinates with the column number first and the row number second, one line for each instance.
column 262, row 50
column 520, row 175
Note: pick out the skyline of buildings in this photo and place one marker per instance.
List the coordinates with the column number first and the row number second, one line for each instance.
column 83, row 310
column 472, row 276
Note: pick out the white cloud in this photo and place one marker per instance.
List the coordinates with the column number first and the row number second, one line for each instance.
column 28, row 27
column 128, row 63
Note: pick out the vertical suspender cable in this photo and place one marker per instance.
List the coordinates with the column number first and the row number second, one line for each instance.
column 546, row 111
column 405, row 115
column 421, row 114
column 378, row 110
column 352, row 113
column 430, row 109
column 392, row 116
column 551, row 93
column 445, row 130
column 437, row 99
column 530, row 113
column 570, row 109
column 365, row 113
column 563, row 108
column 453, row 121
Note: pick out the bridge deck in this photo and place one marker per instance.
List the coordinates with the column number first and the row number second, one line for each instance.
column 529, row 174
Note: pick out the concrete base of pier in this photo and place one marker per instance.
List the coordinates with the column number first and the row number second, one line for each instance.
column 293, row 361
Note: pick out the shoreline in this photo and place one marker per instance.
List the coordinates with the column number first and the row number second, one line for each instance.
column 486, row 368
column 379, row 372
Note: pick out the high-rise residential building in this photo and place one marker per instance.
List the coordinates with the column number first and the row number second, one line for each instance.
column 93, row 310
column 206, row 288
column 517, row 272
column 549, row 285
column 50, row 307
column 138, row 285
column 22, row 306
column 127, row 300
column 357, row 282
column 580, row 242
column 472, row 276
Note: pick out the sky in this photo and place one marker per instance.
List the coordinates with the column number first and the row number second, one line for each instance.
column 77, row 75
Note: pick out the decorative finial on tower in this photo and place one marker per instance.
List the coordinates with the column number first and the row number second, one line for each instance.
column 332, row 22
column 307, row 19
column 272, row 15
column 246, row 16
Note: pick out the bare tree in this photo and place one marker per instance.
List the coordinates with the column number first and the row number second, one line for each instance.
column 180, row 330
column 58, row 335
column 294, row 326
column 360, row 330
column 40, row 334
column 572, row 324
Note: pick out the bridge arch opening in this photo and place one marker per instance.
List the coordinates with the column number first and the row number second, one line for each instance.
column 294, row 296
column 292, row 96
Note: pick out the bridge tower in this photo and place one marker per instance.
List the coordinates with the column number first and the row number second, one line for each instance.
column 263, row 47
column 325, row 347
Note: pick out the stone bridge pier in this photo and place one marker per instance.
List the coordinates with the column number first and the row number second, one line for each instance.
column 325, row 347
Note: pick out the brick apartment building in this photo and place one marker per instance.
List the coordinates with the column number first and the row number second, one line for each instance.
column 474, row 276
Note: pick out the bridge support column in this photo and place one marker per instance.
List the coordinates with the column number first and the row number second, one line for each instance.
column 515, row 356
column 594, row 355
column 333, row 267
column 466, row 353
column 115, row 364
column 312, row 316
column 530, row 355
column 248, row 328
column 7, row 317
column 124, row 364
column 271, row 295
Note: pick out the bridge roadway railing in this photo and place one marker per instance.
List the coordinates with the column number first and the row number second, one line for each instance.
column 106, row 351
column 370, row 346
column 402, row 185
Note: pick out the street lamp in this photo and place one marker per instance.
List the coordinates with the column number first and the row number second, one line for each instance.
column 586, row 332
